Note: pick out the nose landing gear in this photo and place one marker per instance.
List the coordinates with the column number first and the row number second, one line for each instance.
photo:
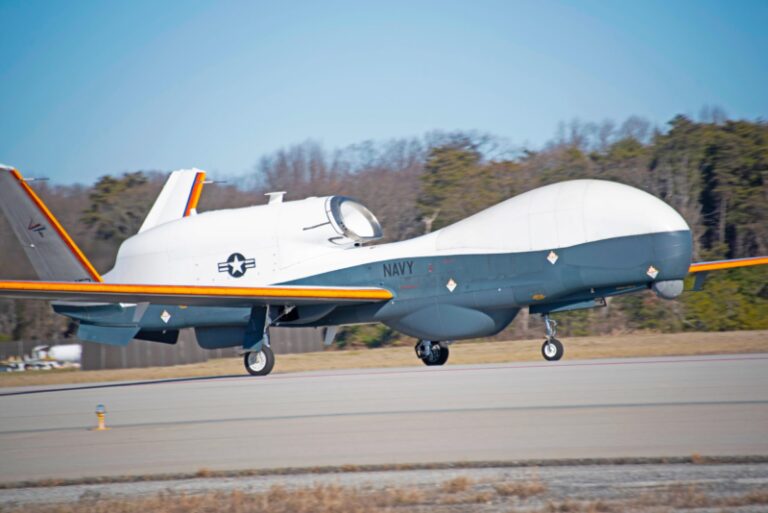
column 552, row 349
column 259, row 363
column 432, row 353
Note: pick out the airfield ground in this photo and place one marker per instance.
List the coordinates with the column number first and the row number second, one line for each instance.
column 652, row 433
column 659, row 407
column 603, row 488
column 577, row 348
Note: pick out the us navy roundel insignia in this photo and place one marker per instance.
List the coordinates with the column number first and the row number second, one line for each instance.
column 236, row 265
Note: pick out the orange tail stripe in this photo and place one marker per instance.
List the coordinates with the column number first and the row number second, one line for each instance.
column 194, row 194
column 57, row 226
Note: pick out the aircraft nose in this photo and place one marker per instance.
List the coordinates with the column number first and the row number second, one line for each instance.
column 672, row 253
column 613, row 210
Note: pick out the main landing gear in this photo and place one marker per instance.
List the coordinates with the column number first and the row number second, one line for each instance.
column 259, row 363
column 552, row 349
column 432, row 353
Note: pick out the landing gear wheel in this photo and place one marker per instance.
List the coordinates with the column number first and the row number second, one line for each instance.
column 444, row 353
column 438, row 354
column 259, row 363
column 552, row 350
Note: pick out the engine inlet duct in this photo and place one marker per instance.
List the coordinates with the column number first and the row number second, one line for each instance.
column 352, row 220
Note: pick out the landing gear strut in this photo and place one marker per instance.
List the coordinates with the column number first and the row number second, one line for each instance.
column 552, row 349
column 259, row 363
column 432, row 353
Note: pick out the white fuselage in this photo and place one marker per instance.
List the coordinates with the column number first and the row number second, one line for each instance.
column 293, row 240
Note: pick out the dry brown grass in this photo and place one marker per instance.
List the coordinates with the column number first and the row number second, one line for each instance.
column 316, row 499
column 204, row 472
column 400, row 497
column 522, row 489
column 687, row 496
column 573, row 506
column 757, row 497
column 338, row 499
column 468, row 498
column 457, row 484
column 615, row 346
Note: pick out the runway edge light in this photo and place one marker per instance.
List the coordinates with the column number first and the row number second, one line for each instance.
column 100, row 416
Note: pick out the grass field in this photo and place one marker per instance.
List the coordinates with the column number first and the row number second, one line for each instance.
column 616, row 346
column 458, row 495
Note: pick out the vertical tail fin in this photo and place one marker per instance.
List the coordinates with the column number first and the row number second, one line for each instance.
column 178, row 198
column 53, row 253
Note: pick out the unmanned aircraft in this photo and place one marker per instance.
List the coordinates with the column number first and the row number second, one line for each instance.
column 233, row 274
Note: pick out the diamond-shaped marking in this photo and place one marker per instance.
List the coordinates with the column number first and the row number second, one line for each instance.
column 165, row 316
column 652, row 272
column 552, row 257
column 451, row 285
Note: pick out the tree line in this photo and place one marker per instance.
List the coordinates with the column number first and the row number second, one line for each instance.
column 714, row 171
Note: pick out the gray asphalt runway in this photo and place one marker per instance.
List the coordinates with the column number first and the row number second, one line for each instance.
column 714, row 405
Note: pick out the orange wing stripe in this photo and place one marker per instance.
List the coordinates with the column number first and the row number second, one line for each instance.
column 727, row 264
column 199, row 291
column 56, row 226
column 194, row 194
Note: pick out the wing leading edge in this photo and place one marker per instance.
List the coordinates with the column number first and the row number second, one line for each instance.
column 718, row 265
column 700, row 270
column 190, row 294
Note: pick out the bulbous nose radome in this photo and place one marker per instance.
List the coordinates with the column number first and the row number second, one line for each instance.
column 614, row 210
column 562, row 215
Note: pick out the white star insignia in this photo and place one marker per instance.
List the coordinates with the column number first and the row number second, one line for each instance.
column 236, row 265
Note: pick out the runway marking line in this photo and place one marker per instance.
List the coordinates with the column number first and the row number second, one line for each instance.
column 373, row 413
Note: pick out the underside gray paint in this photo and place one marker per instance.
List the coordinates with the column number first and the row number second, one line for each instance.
column 567, row 306
column 490, row 284
column 489, row 289
column 112, row 335
column 448, row 322
column 218, row 337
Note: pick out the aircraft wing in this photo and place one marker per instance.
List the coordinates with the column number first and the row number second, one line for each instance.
column 191, row 294
column 700, row 267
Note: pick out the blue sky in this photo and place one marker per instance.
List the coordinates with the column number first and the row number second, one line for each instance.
column 93, row 88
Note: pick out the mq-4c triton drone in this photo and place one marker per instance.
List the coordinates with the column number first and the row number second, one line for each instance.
column 232, row 274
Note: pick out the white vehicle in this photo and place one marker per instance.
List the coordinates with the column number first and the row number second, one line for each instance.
column 69, row 353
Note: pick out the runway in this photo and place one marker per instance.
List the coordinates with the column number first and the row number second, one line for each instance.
column 649, row 407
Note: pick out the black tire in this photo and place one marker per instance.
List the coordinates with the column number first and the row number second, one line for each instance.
column 259, row 363
column 554, row 352
column 444, row 353
column 438, row 355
